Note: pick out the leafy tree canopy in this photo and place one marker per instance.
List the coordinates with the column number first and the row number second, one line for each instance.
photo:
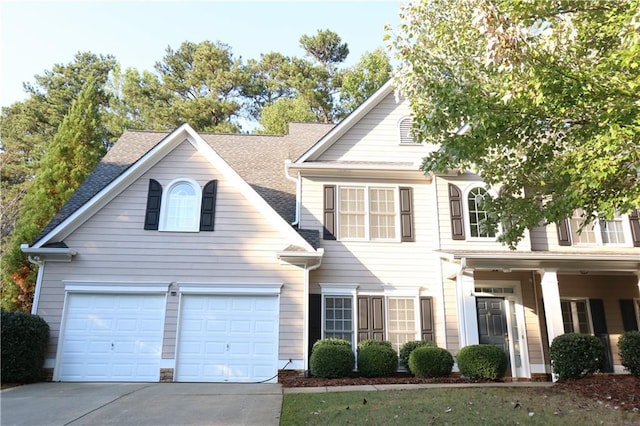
column 538, row 97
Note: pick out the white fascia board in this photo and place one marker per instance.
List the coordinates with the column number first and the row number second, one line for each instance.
column 231, row 289
column 323, row 144
column 247, row 191
column 118, row 185
column 115, row 287
column 57, row 254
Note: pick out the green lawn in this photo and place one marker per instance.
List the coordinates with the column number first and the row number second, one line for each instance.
column 461, row 406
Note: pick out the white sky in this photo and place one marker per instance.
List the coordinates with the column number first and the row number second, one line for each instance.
column 35, row 35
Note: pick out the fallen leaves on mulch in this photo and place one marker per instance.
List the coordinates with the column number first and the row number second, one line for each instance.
column 620, row 391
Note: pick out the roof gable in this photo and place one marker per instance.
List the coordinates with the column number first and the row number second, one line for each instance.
column 135, row 152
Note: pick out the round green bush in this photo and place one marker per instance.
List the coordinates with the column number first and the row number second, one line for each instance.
column 629, row 349
column 482, row 362
column 430, row 361
column 377, row 360
column 332, row 361
column 575, row 355
column 407, row 348
column 331, row 341
column 25, row 338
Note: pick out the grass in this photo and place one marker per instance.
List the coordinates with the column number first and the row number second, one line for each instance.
column 460, row 406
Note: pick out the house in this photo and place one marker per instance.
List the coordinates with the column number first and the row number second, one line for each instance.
column 204, row 257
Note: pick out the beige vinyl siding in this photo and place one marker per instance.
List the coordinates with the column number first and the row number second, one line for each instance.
column 112, row 246
column 376, row 137
column 449, row 290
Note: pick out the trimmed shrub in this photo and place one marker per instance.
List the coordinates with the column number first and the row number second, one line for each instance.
column 575, row 355
column 482, row 362
column 332, row 361
column 430, row 361
column 629, row 348
column 373, row 342
column 25, row 338
column 331, row 341
column 376, row 359
column 407, row 348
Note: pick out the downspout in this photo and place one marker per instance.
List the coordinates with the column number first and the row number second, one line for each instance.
column 305, row 331
column 287, row 164
column 36, row 260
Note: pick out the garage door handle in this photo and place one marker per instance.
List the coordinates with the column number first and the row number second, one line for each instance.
column 227, row 347
column 111, row 346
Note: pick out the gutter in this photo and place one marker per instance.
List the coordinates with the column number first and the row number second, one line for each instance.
column 287, row 165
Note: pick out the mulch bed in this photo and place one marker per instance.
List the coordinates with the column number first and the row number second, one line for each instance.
column 621, row 391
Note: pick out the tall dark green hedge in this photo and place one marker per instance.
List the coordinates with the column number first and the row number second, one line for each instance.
column 24, row 346
column 575, row 355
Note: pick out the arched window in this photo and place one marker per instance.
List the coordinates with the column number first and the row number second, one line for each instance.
column 478, row 214
column 181, row 206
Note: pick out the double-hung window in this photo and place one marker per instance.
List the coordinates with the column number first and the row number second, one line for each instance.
column 402, row 321
column 367, row 213
column 575, row 316
column 338, row 321
column 599, row 232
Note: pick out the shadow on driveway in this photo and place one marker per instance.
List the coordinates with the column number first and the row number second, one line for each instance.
column 141, row 404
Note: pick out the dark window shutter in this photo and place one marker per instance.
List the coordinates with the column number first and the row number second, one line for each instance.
column 426, row 319
column 629, row 321
column 315, row 319
column 208, row 206
column 600, row 331
column 455, row 204
column 329, row 230
column 154, row 197
column 634, row 221
column 406, row 214
column 370, row 318
column 564, row 236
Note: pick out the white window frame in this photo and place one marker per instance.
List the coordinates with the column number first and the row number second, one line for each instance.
column 342, row 291
column 467, row 214
column 194, row 225
column 416, row 318
column 574, row 313
column 595, row 227
column 367, row 212
column 404, row 133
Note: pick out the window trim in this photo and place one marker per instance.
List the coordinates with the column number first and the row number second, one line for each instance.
column 597, row 230
column 406, row 140
column 165, row 204
column 343, row 291
column 466, row 213
column 367, row 213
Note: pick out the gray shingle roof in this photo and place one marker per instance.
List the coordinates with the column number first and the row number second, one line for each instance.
column 258, row 159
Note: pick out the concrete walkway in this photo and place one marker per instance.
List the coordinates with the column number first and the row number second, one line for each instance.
column 369, row 388
column 152, row 404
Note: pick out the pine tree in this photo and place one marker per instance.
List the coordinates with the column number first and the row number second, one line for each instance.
column 74, row 151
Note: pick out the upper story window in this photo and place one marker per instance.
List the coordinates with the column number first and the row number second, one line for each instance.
column 599, row 232
column 477, row 214
column 404, row 125
column 183, row 207
column 376, row 213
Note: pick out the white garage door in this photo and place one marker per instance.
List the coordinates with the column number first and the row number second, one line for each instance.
column 227, row 338
column 110, row 337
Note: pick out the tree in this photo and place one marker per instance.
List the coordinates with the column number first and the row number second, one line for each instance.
column 538, row 97
column 363, row 79
column 276, row 116
column 74, row 151
column 199, row 84
column 28, row 127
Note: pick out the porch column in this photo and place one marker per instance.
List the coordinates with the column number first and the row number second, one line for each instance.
column 467, row 317
column 552, row 308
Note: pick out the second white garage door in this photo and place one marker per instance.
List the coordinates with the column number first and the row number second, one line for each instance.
column 226, row 338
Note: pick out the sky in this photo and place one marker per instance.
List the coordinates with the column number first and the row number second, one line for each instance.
column 35, row 35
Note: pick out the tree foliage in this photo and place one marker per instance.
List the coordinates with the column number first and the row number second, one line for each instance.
column 73, row 152
column 539, row 97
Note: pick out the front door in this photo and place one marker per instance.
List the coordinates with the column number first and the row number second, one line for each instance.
column 492, row 322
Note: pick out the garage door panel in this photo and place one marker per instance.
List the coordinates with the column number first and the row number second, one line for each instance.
column 109, row 337
column 239, row 340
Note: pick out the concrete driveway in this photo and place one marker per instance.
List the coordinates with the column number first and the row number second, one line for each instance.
column 173, row 404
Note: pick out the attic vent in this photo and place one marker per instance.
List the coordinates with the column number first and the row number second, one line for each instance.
column 405, row 131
